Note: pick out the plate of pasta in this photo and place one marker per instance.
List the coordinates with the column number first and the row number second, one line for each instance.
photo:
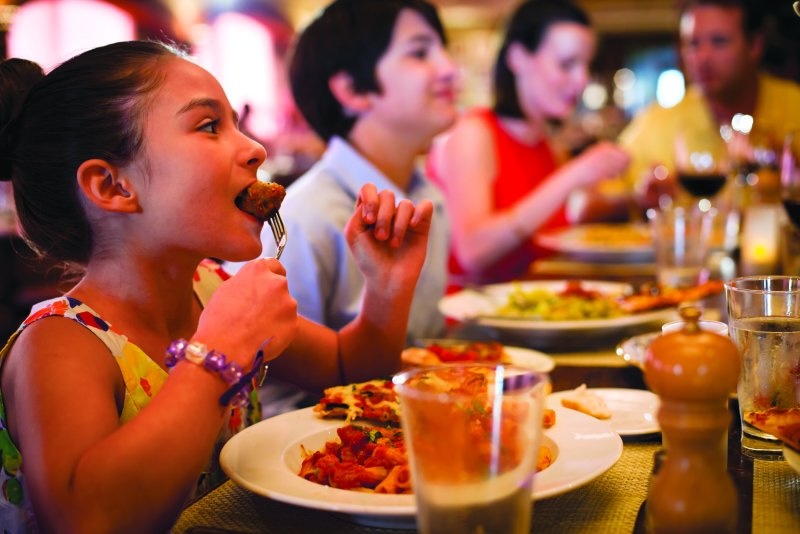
column 267, row 457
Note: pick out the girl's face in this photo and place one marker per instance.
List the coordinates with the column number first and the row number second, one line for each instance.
column 417, row 79
column 550, row 80
column 195, row 162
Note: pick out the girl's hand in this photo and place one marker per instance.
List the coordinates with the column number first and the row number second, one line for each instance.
column 389, row 241
column 248, row 309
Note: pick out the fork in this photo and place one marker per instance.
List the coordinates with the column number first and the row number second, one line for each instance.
column 278, row 232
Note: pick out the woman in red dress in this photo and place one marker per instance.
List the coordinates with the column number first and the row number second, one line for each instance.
column 500, row 176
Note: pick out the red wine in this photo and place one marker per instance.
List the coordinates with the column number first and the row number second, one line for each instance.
column 792, row 206
column 702, row 185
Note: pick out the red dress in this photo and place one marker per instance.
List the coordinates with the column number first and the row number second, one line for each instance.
column 521, row 169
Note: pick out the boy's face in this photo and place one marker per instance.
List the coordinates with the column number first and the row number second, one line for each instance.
column 717, row 55
column 417, row 78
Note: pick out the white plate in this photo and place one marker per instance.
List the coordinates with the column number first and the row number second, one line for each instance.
column 607, row 241
column 633, row 411
column 634, row 349
column 480, row 307
column 532, row 359
column 265, row 459
column 792, row 458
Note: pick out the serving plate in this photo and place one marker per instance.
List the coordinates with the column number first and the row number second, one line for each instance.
column 479, row 307
column 601, row 241
column 633, row 411
column 266, row 457
column 792, row 458
column 634, row 349
column 529, row 358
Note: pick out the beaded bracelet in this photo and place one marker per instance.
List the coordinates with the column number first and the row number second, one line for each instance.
column 241, row 383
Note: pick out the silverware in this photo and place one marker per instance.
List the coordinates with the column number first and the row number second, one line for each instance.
column 278, row 232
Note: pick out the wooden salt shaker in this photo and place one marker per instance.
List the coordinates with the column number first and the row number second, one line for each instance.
column 693, row 371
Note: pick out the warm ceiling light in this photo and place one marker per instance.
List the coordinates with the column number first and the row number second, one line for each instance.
column 796, row 6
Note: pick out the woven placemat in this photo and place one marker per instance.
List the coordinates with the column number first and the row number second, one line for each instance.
column 607, row 504
column 605, row 358
column 776, row 498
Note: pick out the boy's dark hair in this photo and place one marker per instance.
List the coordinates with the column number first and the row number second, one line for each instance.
column 528, row 26
column 348, row 36
column 91, row 106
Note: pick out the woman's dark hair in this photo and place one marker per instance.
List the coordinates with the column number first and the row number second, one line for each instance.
column 348, row 36
column 528, row 26
column 91, row 106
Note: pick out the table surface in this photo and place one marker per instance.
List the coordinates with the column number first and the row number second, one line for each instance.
column 768, row 491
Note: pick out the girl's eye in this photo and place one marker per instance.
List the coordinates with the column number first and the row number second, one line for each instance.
column 210, row 127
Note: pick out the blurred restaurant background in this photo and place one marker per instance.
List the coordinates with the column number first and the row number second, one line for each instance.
column 245, row 43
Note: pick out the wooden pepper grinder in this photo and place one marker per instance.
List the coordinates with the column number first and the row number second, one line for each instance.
column 693, row 372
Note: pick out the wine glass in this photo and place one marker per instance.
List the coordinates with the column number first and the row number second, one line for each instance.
column 753, row 153
column 702, row 165
column 790, row 197
column 790, row 180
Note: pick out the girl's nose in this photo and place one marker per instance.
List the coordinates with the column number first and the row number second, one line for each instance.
column 255, row 153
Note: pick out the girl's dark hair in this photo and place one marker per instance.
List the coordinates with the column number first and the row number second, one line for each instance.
column 347, row 36
column 91, row 106
column 528, row 26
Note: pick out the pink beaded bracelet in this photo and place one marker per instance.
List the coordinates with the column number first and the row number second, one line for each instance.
column 241, row 383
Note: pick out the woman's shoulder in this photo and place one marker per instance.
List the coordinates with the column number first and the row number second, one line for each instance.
column 485, row 117
column 474, row 127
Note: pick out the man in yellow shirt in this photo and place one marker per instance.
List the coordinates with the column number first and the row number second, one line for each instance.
column 721, row 46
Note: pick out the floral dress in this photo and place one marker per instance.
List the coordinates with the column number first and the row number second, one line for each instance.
column 143, row 379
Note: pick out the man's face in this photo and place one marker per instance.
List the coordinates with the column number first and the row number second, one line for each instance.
column 717, row 55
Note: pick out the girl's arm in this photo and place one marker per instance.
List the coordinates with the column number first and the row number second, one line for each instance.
column 86, row 472
column 389, row 243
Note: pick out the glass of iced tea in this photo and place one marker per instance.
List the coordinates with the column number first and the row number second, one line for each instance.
column 473, row 433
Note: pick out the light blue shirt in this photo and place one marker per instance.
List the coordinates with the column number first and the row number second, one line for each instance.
column 322, row 274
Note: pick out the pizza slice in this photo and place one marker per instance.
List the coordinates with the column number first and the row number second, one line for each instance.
column 654, row 298
column 783, row 423
column 470, row 351
column 375, row 401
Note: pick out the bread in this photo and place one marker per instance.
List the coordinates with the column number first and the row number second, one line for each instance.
column 585, row 401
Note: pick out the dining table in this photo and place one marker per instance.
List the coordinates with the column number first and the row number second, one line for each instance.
column 615, row 501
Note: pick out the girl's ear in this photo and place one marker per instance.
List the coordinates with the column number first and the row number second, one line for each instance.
column 341, row 85
column 103, row 186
